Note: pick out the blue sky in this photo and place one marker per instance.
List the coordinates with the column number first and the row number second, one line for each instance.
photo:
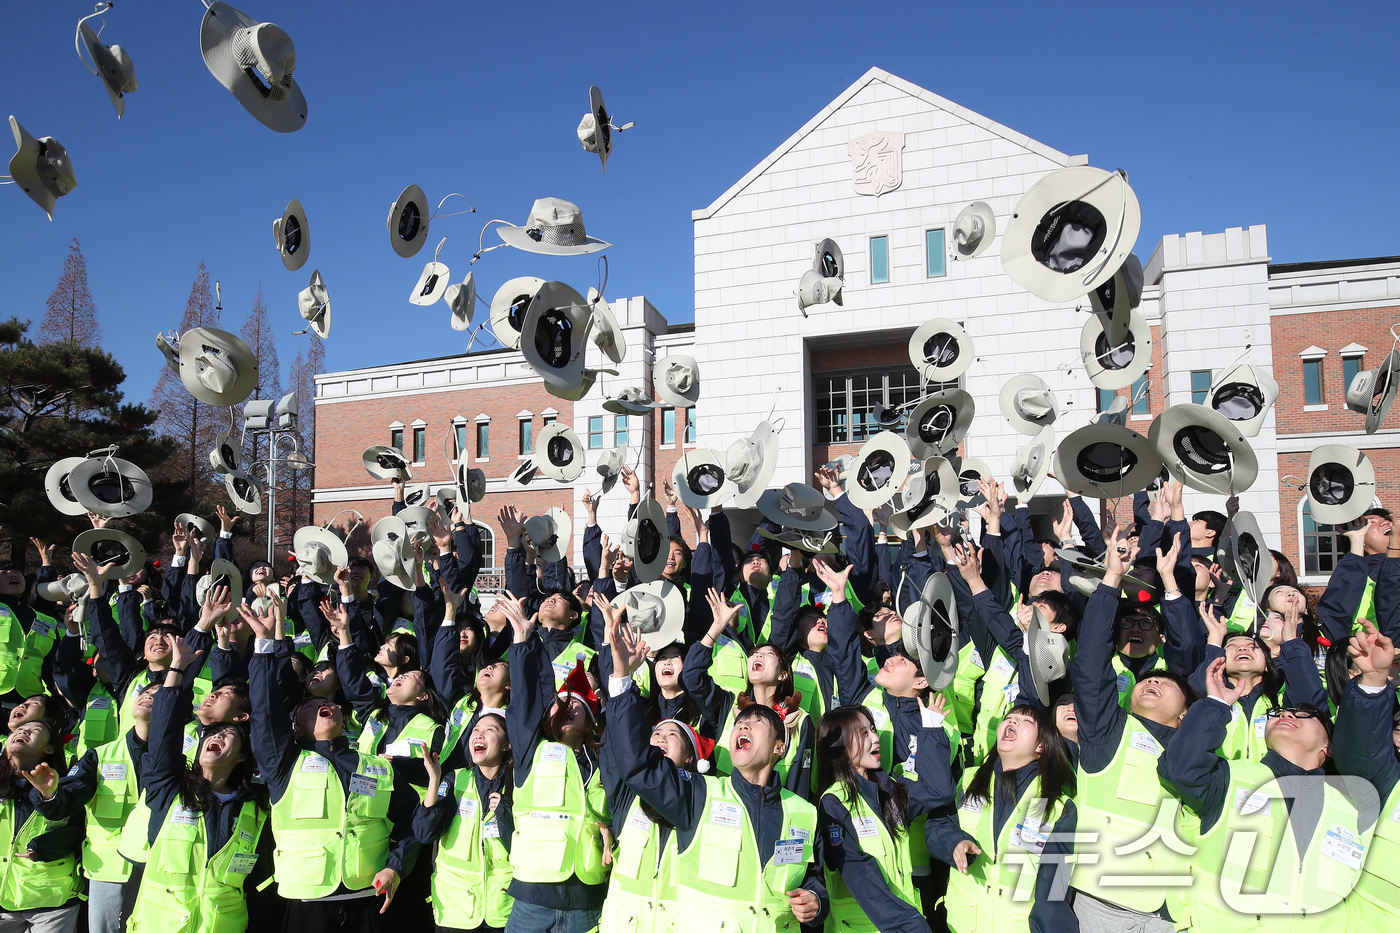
column 1224, row 114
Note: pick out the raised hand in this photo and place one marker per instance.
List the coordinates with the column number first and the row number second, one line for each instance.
column 1113, row 561
column 335, row 615
column 88, row 568
column 722, row 612
column 226, row 519
column 1214, row 621
column 43, row 779
column 1064, row 526
column 45, row 551
column 514, row 611
column 1373, row 654
column 1218, row 687
column 631, row 483
column 1166, row 564
column 968, row 560
column 828, row 480
column 833, row 579
column 432, row 763
column 668, row 493
column 512, row 524
column 217, row 602
column 590, row 503
column 182, row 656
column 98, row 521
column 180, row 540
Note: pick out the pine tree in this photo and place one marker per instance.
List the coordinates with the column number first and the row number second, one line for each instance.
column 192, row 424
column 72, row 314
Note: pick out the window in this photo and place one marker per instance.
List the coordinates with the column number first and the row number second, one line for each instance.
column 550, row 419
column 690, row 426
column 1142, row 403
column 1106, row 397
column 620, row 429
column 1312, row 382
column 396, row 438
column 937, row 250
column 483, row 440
column 879, row 260
column 488, row 545
column 459, row 431
column 1200, row 386
column 668, row 426
column 1321, row 544
column 527, row 436
column 1351, row 365
column 595, row 432
column 420, row 445
column 845, row 401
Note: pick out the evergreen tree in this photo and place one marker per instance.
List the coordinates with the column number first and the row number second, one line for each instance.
column 71, row 314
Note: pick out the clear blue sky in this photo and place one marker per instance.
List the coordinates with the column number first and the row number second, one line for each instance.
column 1225, row 114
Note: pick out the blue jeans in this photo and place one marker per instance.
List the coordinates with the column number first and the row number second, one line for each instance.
column 528, row 918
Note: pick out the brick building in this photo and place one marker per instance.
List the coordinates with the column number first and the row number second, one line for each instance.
column 1211, row 299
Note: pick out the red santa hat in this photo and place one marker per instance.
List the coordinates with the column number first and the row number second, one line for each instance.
column 577, row 687
column 704, row 748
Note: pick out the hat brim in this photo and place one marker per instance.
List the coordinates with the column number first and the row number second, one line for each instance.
column 320, row 324
column 1389, row 370
column 192, row 522
column 516, row 288
column 607, row 335
column 217, row 29
column 766, row 436
column 56, row 479
column 935, row 372
column 565, row 473
column 1095, row 364
column 63, row 590
column 768, row 506
column 1027, row 484
column 294, row 260
column 964, row 410
column 1125, row 291
column 132, row 475
column 648, row 510
column 1243, row 535
column 989, row 230
column 807, row 542
column 688, row 461
column 517, row 237
column 24, row 169
column 1244, row 465
column 670, row 396
column 461, row 298
column 1246, row 374
column 370, row 460
column 1363, row 484
column 1037, row 645
column 221, row 568
column 86, row 542
column 336, row 552
column 229, row 346
column 408, row 247
column 872, row 498
column 564, row 536
column 918, row 631
column 1145, row 462
column 1007, row 402
column 931, row 510
column 602, row 137
column 559, row 298
column 432, row 284
column 250, row 504
column 1113, row 199
column 107, row 68
column 673, row 611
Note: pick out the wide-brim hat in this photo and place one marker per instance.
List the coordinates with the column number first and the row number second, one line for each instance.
column 1070, row 232
column 1244, row 394
column 65, row 589
column 677, row 380
column 554, row 228
column 383, row 462
column 114, row 67
column 110, row 486
column 1106, row 461
column 1048, row 654
column 170, row 350
column 245, row 492
column 41, row 168
column 812, row 542
column 1117, row 297
column 221, row 573
column 314, row 306
column 237, row 50
column 524, row 474
column 418, row 520
column 930, row 497
column 200, row 527
column 878, row 470
column 940, row 350
column 292, row 235
column 408, row 221
column 798, row 506
column 1203, row 449
column 815, row 289
column 607, row 335
column 939, row 423
column 60, row 489
column 655, row 611
column 319, row 553
column 559, row 453
column 931, row 631
column 1341, row 484
column 391, row 546
column 973, row 230
column 552, row 534
column 431, row 285
column 461, row 298
column 701, row 479
column 1032, row 463
column 417, row 494
column 750, row 463
column 1085, row 574
column 555, row 335
column 1373, row 392
column 829, row 261
column 510, row 306
column 225, row 456
column 645, row 540
column 609, row 466
column 216, row 366
column 1244, row 554
column 632, row 400
column 1028, row 403
column 471, row 483
column 595, row 129
column 118, row 553
column 970, row 472
column 1116, row 366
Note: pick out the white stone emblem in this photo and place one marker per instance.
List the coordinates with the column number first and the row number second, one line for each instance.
column 877, row 162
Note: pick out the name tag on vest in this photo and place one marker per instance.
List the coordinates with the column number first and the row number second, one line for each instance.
column 491, row 829
column 41, row 627
column 100, row 703
column 364, row 785
column 724, row 813
column 243, row 863
column 788, row 852
column 467, row 808
column 1003, row 666
column 115, row 771
column 459, row 716
column 975, row 658
column 1144, row 742
column 315, row 764
column 189, row 743
column 1031, row 835
column 1250, row 802
column 553, row 752
column 972, row 805
column 1395, row 814
column 639, row 820
column 1122, row 682
column 866, row 826
column 375, row 726
column 183, row 816
column 1259, row 722
column 562, row 670
column 1345, row 846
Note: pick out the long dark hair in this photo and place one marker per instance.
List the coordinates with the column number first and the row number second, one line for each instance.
column 12, row 783
column 1284, row 573
column 195, row 790
column 1270, row 679
column 784, row 689
column 507, row 776
column 1055, row 765
column 559, row 717
column 474, row 692
column 403, row 651
column 688, row 711
column 476, row 655
column 836, row 734
column 1337, row 667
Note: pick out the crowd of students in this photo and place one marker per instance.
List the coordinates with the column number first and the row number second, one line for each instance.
column 348, row 755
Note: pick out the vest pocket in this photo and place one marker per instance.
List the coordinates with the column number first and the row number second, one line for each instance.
column 719, row 855
column 543, row 846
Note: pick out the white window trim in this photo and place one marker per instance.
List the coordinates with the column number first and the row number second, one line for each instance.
column 548, row 412
column 1316, row 579
column 394, row 425
column 420, row 423
column 947, row 249
column 1351, row 350
column 889, row 259
column 1322, row 407
column 488, row 535
column 1313, row 353
column 482, row 417
column 479, row 420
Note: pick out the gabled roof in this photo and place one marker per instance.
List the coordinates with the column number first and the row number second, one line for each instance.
column 913, row 90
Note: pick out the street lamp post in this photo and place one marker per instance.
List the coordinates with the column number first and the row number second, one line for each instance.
column 258, row 418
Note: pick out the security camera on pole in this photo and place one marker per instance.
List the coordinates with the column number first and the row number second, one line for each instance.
column 278, row 420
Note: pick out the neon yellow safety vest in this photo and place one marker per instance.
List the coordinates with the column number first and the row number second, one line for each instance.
column 1243, row 616
column 184, row 890
column 414, row 741
column 22, row 653
column 1001, row 688
column 804, row 678
column 1374, row 907
column 126, row 716
column 98, row 726
column 1249, row 874
column 722, row 881
column 134, row 840
column 326, row 838
column 723, row 766
column 556, row 820
column 1127, row 680
column 997, row 893
column 472, row 870
column 729, row 668
column 1122, row 807
column 1367, row 608
column 564, row 663
column 892, row 855
column 971, row 669
column 1244, row 736
column 27, row 884
column 462, row 713
column 642, row 890
column 107, row 812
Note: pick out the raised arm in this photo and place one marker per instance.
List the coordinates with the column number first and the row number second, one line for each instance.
column 1189, row 767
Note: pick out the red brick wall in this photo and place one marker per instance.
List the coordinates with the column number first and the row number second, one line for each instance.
column 845, row 359
column 1386, row 461
column 1330, row 330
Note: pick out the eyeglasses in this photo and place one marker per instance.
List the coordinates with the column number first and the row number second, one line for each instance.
column 1139, row 622
column 1296, row 713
